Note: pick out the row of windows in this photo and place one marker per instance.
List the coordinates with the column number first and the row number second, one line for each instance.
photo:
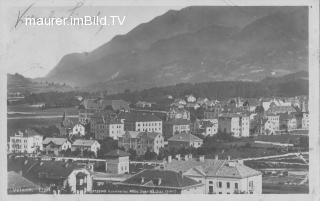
column 220, row 184
column 149, row 124
column 149, row 129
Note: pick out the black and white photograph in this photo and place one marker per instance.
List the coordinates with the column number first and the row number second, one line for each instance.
column 159, row 97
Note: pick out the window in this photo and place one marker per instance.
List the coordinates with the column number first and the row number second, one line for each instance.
column 210, row 182
column 236, row 185
column 220, row 192
column 228, row 184
column 251, row 184
column 220, row 184
column 210, row 189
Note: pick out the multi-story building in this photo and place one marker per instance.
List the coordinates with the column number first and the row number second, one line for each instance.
column 103, row 127
column 86, row 145
column 237, row 125
column 230, row 123
column 175, row 126
column 28, row 141
column 185, row 140
column 142, row 141
column 219, row 176
column 117, row 162
column 142, row 122
column 206, row 127
column 56, row 145
column 244, row 126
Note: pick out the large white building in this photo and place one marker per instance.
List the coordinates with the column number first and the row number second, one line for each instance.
column 237, row 125
column 28, row 141
column 141, row 141
column 143, row 122
column 219, row 176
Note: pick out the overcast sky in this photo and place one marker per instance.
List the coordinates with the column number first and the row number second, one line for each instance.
column 34, row 50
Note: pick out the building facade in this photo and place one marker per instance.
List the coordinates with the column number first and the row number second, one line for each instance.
column 28, row 141
column 141, row 142
column 220, row 176
column 184, row 140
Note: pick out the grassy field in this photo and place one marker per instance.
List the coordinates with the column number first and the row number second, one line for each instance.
column 284, row 189
column 277, row 138
column 28, row 110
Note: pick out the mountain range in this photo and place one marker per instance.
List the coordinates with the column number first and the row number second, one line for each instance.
column 191, row 45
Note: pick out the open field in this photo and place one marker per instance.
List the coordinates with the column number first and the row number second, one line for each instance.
column 284, row 189
column 277, row 138
column 27, row 110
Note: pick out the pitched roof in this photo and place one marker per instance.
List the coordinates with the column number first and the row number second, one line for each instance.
column 32, row 169
column 132, row 134
column 281, row 109
column 116, row 104
column 149, row 135
column 81, row 142
column 28, row 133
column 178, row 122
column 186, row 137
column 54, row 140
column 168, row 178
column 214, row 168
column 15, row 180
column 52, row 170
column 141, row 117
column 117, row 153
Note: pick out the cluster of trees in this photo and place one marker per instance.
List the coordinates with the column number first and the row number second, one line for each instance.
column 55, row 99
column 219, row 90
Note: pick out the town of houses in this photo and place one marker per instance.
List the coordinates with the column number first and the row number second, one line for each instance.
column 72, row 162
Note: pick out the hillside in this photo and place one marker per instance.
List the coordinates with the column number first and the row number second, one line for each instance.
column 286, row 86
column 19, row 83
column 195, row 44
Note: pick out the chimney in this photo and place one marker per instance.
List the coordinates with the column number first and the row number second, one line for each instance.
column 216, row 157
column 201, row 158
column 229, row 158
column 178, row 157
column 169, row 159
column 159, row 181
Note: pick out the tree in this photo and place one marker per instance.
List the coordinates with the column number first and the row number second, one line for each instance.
column 150, row 155
column 133, row 154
